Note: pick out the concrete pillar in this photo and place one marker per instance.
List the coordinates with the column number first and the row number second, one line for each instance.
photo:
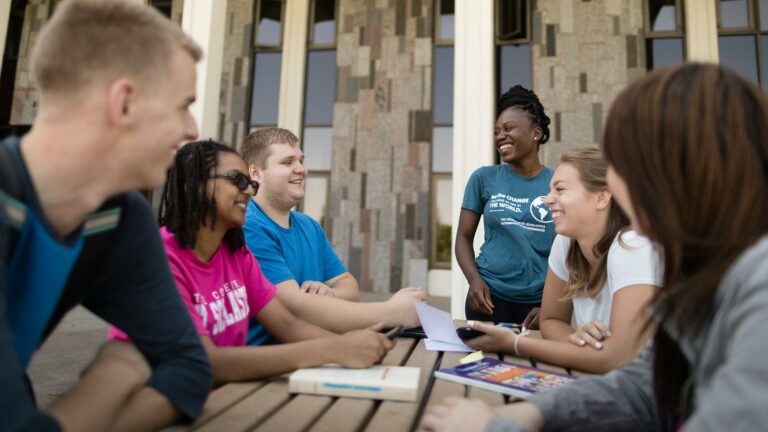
column 473, row 115
column 701, row 31
column 205, row 22
column 293, row 67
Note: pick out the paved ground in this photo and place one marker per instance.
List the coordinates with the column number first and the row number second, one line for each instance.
column 69, row 349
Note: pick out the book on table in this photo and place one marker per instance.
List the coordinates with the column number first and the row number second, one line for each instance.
column 399, row 383
column 504, row 377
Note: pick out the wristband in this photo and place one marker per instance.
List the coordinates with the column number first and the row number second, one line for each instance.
column 523, row 332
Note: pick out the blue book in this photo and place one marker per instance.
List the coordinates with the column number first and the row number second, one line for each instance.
column 504, row 377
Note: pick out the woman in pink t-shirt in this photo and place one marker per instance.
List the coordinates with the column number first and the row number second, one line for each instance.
column 201, row 213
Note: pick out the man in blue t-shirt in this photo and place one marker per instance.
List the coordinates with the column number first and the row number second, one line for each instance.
column 294, row 252
column 115, row 80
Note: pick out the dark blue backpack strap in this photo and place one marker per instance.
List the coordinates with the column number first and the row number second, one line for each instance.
column 12, row 211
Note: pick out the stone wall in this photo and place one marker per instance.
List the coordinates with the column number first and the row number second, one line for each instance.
column 379, row 199
column 25, row 96
column 584, row 53
column 177, row 7
column 236, row 72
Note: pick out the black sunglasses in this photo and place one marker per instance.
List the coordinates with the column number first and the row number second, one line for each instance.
column 240, row 180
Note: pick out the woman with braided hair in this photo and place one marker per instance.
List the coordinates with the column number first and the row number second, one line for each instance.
column 221, row 283
column 507, row 278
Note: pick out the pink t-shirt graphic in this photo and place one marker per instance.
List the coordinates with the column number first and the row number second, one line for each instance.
column 220, row 295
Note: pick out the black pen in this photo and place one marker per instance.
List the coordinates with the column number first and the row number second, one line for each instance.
column 395, row 332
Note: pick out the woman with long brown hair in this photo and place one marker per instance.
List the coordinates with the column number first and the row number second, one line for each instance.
column 601, row 275
column 688, row 155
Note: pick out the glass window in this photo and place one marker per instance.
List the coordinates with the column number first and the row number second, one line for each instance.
column 266, row 88
column 446, row 31
column 442, row 149
column 764, row 61
column 734, row 13
column 662, row 15
column 740, row 54
column 316, row 144
column 442, row 186
column 763, row 15
column 514, row 66
column 270, row 23
column 316, row 197
column 164, row 6
column 324, row 22
column 664, row 52
column 442, row 107
column 511, row 19
column 321, row 87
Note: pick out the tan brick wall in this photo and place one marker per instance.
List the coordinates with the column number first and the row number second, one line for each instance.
column 584, row 53
column 379, row 200
column 25, row 96
column 236, row 73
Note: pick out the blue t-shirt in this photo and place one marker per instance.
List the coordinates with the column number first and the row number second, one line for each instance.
column 301, row 252
column 518, row 230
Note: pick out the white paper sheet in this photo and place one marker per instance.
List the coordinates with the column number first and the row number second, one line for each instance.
column 438, row 325
column 433, row 345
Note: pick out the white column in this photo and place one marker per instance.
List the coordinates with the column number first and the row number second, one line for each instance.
column 473, row 115
column 5, row 16
column 701, row 31
column 205, row 22
column 294, row 65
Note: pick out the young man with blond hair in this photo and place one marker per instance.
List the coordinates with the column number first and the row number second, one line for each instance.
column 294, row 252
column 115, row 80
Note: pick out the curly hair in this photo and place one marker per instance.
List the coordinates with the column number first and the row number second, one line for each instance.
column 526, row 100
column 185, row 206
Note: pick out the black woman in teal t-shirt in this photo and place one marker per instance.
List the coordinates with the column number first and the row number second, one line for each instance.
column 507, row 278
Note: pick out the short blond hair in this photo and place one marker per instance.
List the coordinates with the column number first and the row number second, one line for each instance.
column 255, row 148
column 105, row 39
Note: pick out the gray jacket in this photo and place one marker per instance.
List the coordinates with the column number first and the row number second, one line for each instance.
column 729, row 362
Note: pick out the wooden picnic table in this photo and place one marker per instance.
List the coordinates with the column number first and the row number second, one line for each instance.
column 266, row 405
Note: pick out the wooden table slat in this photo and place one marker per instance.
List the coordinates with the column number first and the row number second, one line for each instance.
column 442, row 388
column 399, row 416
column 219, row 400
column 298, row 414
column 399, row 354
column 253, row 409
column 345, row 414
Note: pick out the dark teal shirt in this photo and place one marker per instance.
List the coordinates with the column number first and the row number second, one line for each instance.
column 518, row 230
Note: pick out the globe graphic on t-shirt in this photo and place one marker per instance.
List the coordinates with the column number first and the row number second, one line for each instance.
column 541, row 211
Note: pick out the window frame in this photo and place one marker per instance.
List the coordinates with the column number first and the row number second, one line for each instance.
column 753, row 9
column 435, row 177
column 255, row 50
column 497, row 20
column 650, row 35
column 679, row 21
column 313, row 47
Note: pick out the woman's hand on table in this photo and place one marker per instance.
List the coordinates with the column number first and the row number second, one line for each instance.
column 592, row 333
column 361, row 348
column 496, row 339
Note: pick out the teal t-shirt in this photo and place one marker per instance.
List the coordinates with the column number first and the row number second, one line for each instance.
column 518, row 230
